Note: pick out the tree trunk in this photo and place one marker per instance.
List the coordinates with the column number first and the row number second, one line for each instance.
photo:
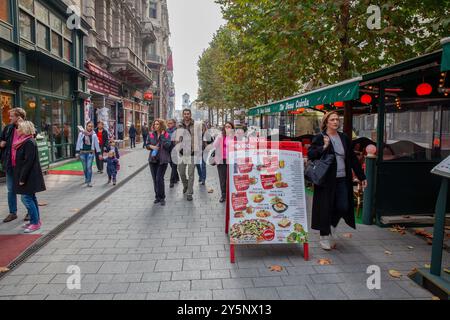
column 344, row 19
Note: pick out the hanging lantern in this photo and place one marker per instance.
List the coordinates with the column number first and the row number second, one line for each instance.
column 301, row 110
column 148, row 96
column 320, row 107
column 366, row 99
column 424, row 89
column 339, row 104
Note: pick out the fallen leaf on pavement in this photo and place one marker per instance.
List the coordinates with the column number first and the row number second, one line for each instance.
column 42, row 204
column 410, row 247
column 412, row 272
column 75, row 210
column 435, row 298
column 395, row 274
column 347, row 235
column 422, row 232
column 3, row 269
column 426, row 265
column 398, row 229
column 388, row 252
column 276, row 268
column 324, row 262
column 447, row 270
column 210, row 190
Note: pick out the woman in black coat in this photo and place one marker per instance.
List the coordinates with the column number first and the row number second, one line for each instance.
column 28, row 178
column 334, row 199
column 159, row 143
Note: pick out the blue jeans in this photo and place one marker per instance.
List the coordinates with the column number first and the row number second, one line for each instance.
column 31, row 203
column 12, row 197
column 201, row 169
column 86, row 161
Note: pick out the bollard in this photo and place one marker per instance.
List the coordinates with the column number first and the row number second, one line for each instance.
column 368, row 193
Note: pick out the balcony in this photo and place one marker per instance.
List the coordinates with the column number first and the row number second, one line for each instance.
column 155, row 60
column 131, row 68
column 148, row 31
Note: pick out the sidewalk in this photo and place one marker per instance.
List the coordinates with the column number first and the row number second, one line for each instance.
column 66, row 195
column 129, row 248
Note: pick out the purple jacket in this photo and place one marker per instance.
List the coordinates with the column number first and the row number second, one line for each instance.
column 164, row 143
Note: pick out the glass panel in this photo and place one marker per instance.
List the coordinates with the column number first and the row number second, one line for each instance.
column 42, row 35
column 67, row 32
column 67, row 122
column 7, row 58
column 445, row 137
column 25, row 25
column 45, row 77
column 57, row 82
column 4, row 11
column 30, row 103
column 56, row 44
column 55, row 23
column 57, row 129
column 41, row 12
column 67, row 50
column 6, row 104
column 153, row 10
column 46, row 120
column 66, row 84
column 27, row 4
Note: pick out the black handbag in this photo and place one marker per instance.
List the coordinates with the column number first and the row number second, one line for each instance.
column 316, row 171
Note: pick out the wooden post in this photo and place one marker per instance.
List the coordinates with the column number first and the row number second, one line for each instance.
column 348, row 119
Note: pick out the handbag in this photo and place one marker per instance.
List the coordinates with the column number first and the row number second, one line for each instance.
column 316, row 170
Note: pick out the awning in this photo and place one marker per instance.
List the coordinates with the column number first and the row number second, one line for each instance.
column 342, row 91
column 445, row 65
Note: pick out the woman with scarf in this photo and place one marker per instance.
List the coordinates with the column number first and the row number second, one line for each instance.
column 28, row 178
column 159, row 144
column 86, row 150
column 222, row 145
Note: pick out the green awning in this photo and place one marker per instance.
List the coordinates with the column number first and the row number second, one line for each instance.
column 445, row 65
column 342, row 91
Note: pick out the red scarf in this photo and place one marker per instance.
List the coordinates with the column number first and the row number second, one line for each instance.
column 16, row 145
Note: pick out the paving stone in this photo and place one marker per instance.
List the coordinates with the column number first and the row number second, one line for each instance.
column 414, row 289
column 261, row 294
column 196, row 295
column 186, row 275
column 326, row 278
column 47, row 289
column 174, row 295
column 114, row 267
column 156, row 276
column 206, row 284
column 392, row 290
column 30, row 268
column 143, row 287
column 215, row 274
column 141, row 266
column 107, row 288
column 96, row 297
column 169, row 265
column 85, row 288
column 15, row 290
column 326, row 292
column 267, row 282
column 130, row 296
column 229, row 294
column 167, row 286
column 237, row 283
column 295, row 293
column 196, row 264
column 128, row 277
column 357, row 291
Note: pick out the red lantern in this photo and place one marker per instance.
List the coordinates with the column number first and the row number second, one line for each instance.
column 339, row 104
column 148, row 96
column 301, row 110
column 320, row 107
column 424, row 89
column 366, row 99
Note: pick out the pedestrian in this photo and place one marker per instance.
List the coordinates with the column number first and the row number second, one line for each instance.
column 112, row 166
column 222, row 145
column 28, row 177
column 174, row 176
column 9, row 135
column 159, row 143
column 86, row 150
column 144, row 134
column 190, row 135
column 132, row 134
column 103, row 141
column 334, row 199
column 113, row 147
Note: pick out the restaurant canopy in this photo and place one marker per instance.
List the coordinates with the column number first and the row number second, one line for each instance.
column 445, row 65
column 342, row 91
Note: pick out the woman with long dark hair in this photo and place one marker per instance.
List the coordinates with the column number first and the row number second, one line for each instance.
column 334, row 199
column 159, row 143
column 222, row 146
column 86, row 150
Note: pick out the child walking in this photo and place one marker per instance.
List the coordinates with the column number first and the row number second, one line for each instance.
column 112, row 166
column 112, row 147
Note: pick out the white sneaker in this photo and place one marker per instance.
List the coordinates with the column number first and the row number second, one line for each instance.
column 334, row 237
column 325, row 242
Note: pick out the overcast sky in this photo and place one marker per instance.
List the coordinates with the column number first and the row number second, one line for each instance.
column 192, row 25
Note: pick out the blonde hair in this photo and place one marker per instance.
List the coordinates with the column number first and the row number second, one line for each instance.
column 19, row 112
column 27, row 128
column 325, row 118
column 162, row 124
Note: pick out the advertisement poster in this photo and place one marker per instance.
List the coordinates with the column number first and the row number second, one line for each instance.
column 267, row 194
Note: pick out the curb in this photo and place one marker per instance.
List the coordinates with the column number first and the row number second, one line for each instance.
column 41, row 242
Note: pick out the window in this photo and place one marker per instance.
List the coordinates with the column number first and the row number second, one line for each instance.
column 153, row 10
column 4, row 11
column 55, row 23
column 56, row 44
column 41, row 12
column 27, row 4
column 25, row 25
column 67, row 50
column 42, row 36
column 30, row 106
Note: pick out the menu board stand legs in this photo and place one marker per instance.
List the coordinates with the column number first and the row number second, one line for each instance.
column 232, row 257
column 306, row 251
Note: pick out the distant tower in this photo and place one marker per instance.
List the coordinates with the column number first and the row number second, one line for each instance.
column 186, row 101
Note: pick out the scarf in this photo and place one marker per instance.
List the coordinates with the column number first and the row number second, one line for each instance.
column 16, row 145
column 87, row 134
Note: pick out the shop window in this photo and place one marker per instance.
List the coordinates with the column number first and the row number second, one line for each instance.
column 67, row 32
column 27, row 4
column 7, row 58
column 45, row 77
column 25, row 22
column 41, row 13
column 57, row 82
column 57, row 129
column 4, row 11
column 66, row 84
column 55, row 23
column 67, row 50
column 67, row 122
column 6, row 104
column 56, row 44
column 42, row 36
column 30, row 104
column 46, row 117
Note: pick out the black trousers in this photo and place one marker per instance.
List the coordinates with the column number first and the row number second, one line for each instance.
column 174, row 177
column 222, row 169
column 341, row 205
column 158, row 171
column 99, row 163
column 133, row 142
column 144, row 139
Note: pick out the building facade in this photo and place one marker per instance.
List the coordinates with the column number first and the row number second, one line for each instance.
column 119, row 77
column 41, row 69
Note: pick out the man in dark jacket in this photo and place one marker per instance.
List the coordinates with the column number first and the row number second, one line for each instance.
column 16, row 115
column 103, row 141
column 171, row 129
column 132, row 134
column 144, row 134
